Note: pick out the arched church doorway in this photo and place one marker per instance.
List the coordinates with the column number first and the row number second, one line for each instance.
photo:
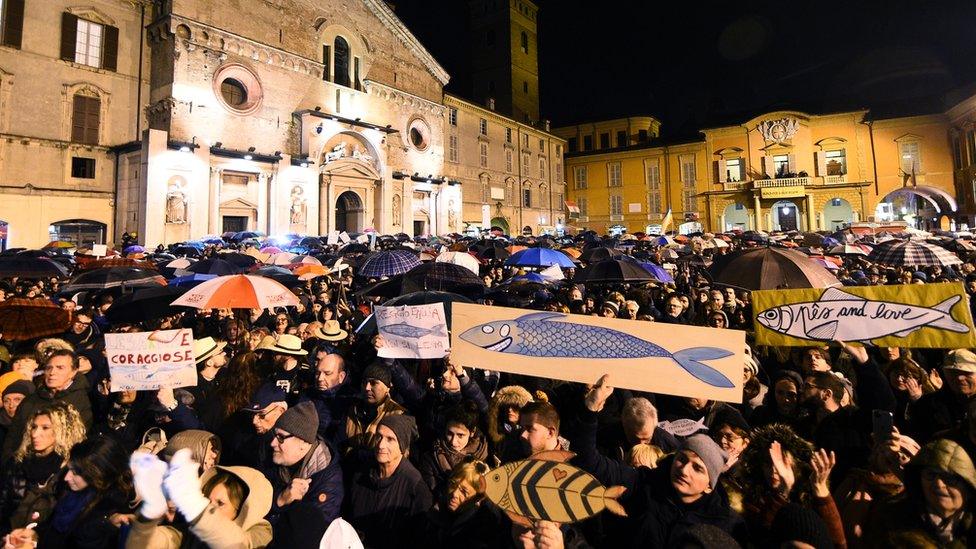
column 349, row 213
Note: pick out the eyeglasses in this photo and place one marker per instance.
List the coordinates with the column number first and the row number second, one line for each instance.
column 727, row 437
column 282, row 438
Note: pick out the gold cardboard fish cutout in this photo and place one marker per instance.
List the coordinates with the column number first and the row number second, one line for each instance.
column 545, row 488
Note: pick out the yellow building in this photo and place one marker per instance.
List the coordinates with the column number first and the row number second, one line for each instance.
column 782, row 170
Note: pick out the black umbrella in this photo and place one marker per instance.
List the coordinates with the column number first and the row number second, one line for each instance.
column 243, row 261
column 416, row 298
column 445, row 277
column 145, row 304
column 114, row 277
column 610, row 271
column 599, row 253
column 769, row 269
column 30, row 267
column 354, row 248
column 188, row 251
column 215, row 266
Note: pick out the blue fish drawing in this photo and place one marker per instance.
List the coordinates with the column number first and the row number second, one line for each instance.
column 406, row 330
column 541, row 335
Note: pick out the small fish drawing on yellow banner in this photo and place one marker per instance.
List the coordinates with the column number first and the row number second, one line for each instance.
column 541, row 489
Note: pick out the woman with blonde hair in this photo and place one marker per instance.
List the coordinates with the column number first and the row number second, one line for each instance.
column 30, row 477
column 461, row 518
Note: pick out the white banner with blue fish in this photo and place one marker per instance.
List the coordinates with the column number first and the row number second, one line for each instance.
column 645, row 356
column 413, row 331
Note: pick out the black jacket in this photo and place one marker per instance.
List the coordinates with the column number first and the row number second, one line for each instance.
column 76, row 395
column 936, row 412
column 474, row 527
column 388, row 512
column 657, row 518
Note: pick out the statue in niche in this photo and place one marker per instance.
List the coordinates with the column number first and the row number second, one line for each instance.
column 175, row 204
column 337, row 152
column 452, row 218
column 297, row 206
column 396, row 210
column 360, row 154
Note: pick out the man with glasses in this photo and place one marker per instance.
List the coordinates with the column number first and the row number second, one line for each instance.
column 243, row 446
column 303, row 467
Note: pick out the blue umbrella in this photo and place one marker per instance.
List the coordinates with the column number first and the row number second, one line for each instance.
column 527, row 277
column 191, row 280
column 540, row 257
column 388, row 263
column 659, row 272
column 133, row 250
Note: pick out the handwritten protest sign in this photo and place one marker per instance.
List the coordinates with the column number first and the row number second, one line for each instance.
column 662, row 358
column 412, row 331
column 914, row 315
column 333, row 238
column 146, row 361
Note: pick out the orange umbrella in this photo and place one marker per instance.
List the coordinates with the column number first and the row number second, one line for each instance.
column 238, row 292
column 118, row 262
column 571, row 252
column 513, row 249
column 59, row 245
column 681, row 238
column 22, row 318
column 306, row 272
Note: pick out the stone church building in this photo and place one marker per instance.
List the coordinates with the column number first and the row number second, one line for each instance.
column 174, row 119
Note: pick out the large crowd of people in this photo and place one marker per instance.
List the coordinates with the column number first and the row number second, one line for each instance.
column 298, row 435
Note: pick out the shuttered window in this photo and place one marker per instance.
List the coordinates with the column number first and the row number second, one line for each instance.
column 85, row 119
column 89, row 43
column 12, row 18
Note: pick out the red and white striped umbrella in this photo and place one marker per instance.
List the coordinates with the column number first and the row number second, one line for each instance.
column 238, row 292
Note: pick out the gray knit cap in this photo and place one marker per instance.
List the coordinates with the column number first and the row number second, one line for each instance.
column 301, row 421
column 710, row 453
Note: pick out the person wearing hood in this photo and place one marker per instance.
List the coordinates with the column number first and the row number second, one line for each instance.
column 303, row 467
column 938, row 508
column 204, row 447
column 503, row 413
column 461, row 440
column 13, row 395
column 223, row 509
column 388, row 499
column 661, row 503
column 332, row 394
column 61, row 383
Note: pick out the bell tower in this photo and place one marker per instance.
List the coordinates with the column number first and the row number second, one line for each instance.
column 504, row 49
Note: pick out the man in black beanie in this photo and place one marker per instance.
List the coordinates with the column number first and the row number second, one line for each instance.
column 304, row 468
column 388, row 500
column 365, row 415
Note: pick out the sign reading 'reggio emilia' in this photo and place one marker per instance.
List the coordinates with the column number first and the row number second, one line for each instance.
column 413, row 331
column 146, row 361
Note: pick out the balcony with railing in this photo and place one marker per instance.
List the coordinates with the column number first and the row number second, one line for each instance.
column 782, row 182
column 735, row 185
column 835, row 179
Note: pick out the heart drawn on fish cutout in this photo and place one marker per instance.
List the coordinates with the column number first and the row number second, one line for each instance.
column 558, row 474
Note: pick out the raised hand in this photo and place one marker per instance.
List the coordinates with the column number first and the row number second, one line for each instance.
column 783, row 477
column 823, row 463
column 597, row 395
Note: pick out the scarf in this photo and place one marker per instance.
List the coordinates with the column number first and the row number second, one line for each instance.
column 69, row 509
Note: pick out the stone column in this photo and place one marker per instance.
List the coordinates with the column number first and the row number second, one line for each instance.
column 757, row 206
column 213, row 219
column 811, row 214
column 324, row 200
column 432, row 212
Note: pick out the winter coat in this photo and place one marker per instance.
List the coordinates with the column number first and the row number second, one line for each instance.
column 332, row 406
column 513, row 395
column 321, row 466
column 858, row 495
column 430, row 406
column 657, row 517
column 210, row 529
column 27, row 487
column 196, row 441
column 476, row 525
column 936, row 412
column 437, row 463
column 388, row 512
column 76, row 395
column 79, row 524
column 361, row 423
column 906, row 518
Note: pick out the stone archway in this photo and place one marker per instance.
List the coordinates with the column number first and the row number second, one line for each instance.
column 837, row 212
column 786, row 216
column 736, row 216
column 919, row 206
column 349, row 213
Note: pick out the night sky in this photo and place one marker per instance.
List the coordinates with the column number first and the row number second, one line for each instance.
column 702, row 64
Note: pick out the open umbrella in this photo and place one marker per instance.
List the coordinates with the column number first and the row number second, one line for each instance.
column 118, row 262
column 22, row 318
column 281, row 258
column 145, row 304
column 30, row 267
column 463, row 259
column 658, row 272
column 307, row 271
column 244, row 261
column 540, row 257
column 185, row 251
column 915, row 253
column 354, row 248
column 388, row 263
column 446, row 277
column 190, row 280
column 416, row 298
column 592, row 255
column 768, row 269
column 134, row 249
column 114, row 277
column 215, row 266
column 59, row 245
column 238, row 292
column 850, row 249
column 610, row 271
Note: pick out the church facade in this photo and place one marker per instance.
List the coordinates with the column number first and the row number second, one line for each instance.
column 292, row 118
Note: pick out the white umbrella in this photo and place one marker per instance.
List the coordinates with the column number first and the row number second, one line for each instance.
column 283, row 258
column 180, row 263
column 463, row 259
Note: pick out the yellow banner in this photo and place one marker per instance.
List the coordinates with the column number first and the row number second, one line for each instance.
column 645, row 356
column 913, row 315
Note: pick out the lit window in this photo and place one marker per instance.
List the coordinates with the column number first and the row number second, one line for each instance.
column 781, row 165
column 836, row 162
column 88, row 43
column 733, row 170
